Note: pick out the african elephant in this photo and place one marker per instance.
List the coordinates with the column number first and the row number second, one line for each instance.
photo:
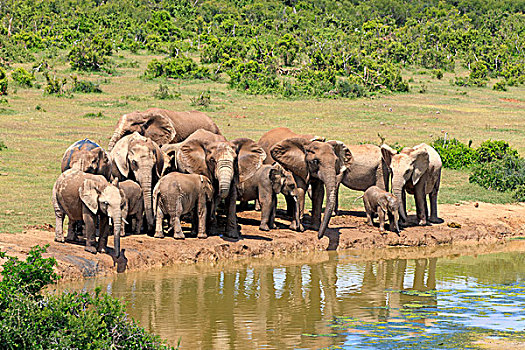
column 380, row 202
column 84, row 196
column 314, row 163
column 276, row 135
column 140, row 159
column 176, row 194
column 162, row 126
column 264, row 186
column 416, row 170
column 135, row 202
column 211, row 155
column 88, row 157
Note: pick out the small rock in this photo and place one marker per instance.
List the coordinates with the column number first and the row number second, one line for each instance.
column 390, row 109
column 457, row 204
column 476, row 205
column 381, row 123
column 453, row 225
column 438, row 112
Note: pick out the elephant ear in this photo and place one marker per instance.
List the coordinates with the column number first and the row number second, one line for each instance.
column 387, row 152
column 119, row 154
column 343, row 153
column 276, row 178
column 159, row 156
column 191, row 158
column 89, row 195
column 104, row 163
column 290, row 153
column 158, row 127
column 421, row 164
column 207, row 187
column 250, row 157
column 383, row 203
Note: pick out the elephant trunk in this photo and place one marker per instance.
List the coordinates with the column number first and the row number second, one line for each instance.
column 145, row 178
column 225, row 176
column 117, row 135
column 117, row 227
column 395, row 224
column 397, row 189
column 331, row 200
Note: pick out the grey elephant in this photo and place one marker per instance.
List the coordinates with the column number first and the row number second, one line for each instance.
column 88, row 157
column 211, row 155
column 416, row 170
column 140, row 159
column 314, row 163
column 177, row 194
column 264, row 186
column 84, row 196
column 135, row 202
column 380, row 202
column 162, row 126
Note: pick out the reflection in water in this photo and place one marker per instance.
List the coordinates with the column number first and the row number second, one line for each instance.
column 324, row 301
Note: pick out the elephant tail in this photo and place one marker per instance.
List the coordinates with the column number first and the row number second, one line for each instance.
column 361, row 196
column 156, row 191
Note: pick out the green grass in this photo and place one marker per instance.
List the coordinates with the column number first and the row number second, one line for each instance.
column 37, row 138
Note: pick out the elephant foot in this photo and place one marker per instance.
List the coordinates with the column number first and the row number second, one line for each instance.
column 233, row 233
column 91, row 249
column 179, row 235
column 103, row 250
column 202, row 235
column 382, row 230
column 296, row 227
column 264, row 227
column 422, row 222
column 60, row 239
column 370, row 223
column 158, row 235
column 122, row 233
column 436, row 220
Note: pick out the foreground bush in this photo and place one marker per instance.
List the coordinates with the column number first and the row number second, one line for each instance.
column 23, row 77
column 506, row 174
column 30, row 319
column 178, row 68
column 454, row 154
column 3, row 82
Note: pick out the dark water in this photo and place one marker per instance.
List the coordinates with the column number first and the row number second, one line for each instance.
column 332, row 300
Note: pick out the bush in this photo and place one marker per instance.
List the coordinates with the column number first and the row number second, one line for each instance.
column 455, row 154
column 84, row 86
column 203, row 100
column 3, row 82
column 31, row 320
column 499, row 86
column 253, row 78
column 179, row 67
column 90, row 55
column 490, row 150
column 3, row 146
column 23, row 77
column 164, row 93
column 55, row 86
column 505, row 174
column 438, row 73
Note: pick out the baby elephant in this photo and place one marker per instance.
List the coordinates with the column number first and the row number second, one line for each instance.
column 176, row 194
column 135, row 200
column 264, row 186
column 381, row 202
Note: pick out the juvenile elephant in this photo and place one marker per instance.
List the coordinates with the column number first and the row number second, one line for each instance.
column 135, row 202
column 140, row 159
column 87, row 156
column 177, row 194
column 211, row 155
column 416, row 170
column 264, row 186
column 83, row 196
column 162, row 126
column 314, row 163
column 380, row 202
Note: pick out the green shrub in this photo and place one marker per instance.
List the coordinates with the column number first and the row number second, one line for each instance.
column 519, row 193
column 454, row 154
column 3, row 146
column 505, row 174
column 438, row 73
column 179, row 67
column 490, row 150
column 90, row 55
column 98, row 115
column 84, row 86
column 30, row 319
column 203, row 100
column 3, row 82
column 23, row 77
column 164, row 93
column 55, row 86
column 253, row 78
column 499, row 86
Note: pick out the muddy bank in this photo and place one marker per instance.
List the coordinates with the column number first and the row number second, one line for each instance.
column 465, row 226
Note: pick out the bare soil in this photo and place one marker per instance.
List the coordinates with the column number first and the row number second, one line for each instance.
column 466, row 225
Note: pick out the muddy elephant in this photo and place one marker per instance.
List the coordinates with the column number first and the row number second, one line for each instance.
column 211, row 155
column 383, row 203
column 135, row 204
column 264, row 186
column 177, row 194
column 162, row 126
column 84, row 196
column 140, row 159
column 416, row 170
column 88, row 157
column 314, row 163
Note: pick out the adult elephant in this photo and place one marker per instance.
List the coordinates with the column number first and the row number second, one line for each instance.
column 140, row 159
column 162, row 126
column 416, row 170
column 276, row 135
column 211, row 155
column 314, row 163
column 87, row 156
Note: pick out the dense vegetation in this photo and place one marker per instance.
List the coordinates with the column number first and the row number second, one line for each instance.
column 32, row 320
column 318, row 48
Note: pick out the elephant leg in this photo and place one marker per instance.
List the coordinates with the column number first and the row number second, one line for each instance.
column 158, row 224
column 177, row 228
column 266, row 209
column 381, row 214
column 421, row 207
column 59, row 225
column 290, row 206
column 336, row 208
column 317, row 203
column 433, row 203
column 200, row 218
column 212, row 217
column 257, row 205
column 89, row 221
column 72, row 231
column 103, row 225
column 296, row 224
column 232, row 230
column 369, row 215
column 271, row 222
column 403, row 209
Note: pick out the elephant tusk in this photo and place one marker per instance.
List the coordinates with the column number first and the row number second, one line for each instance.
column 124, row 221
column 110, row 221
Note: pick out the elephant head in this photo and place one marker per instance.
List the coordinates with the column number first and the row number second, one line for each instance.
column 324, row 161
column 106, row 198
column 139, row 158
column 151, row 124
column 407, row 168
column 390, row 205
column 85, row 155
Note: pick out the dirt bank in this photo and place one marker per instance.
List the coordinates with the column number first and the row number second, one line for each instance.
column 465, row 224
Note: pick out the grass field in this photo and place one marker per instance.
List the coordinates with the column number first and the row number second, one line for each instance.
column 37, row 128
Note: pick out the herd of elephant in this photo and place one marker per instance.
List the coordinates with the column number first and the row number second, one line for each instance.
column 163, row 164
